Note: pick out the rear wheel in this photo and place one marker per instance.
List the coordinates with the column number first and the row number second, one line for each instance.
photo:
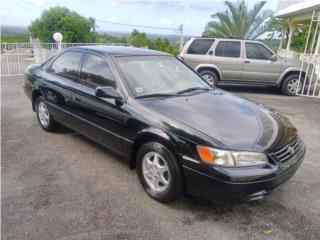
column 290, row 85
column 44, row 117
column 210, row 76
column 159, row 172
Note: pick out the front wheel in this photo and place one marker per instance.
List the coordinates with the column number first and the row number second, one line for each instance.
column 210, row 76
column 290, row 85
column 44, row 117
column 159, row 172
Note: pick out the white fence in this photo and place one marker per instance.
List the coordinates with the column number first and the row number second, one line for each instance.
column 309, row 84
column 15, row 57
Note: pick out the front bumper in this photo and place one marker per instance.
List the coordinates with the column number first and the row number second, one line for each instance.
column 234, row 185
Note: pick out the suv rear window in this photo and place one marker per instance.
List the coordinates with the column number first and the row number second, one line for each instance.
column 228, row 49
column 200, row 46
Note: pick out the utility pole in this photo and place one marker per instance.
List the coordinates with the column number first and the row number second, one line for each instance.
column 181, row 38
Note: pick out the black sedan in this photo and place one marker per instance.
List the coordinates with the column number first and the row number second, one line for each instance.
column 180, row 134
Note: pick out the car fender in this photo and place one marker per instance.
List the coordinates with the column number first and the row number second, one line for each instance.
column 213, row 66
column 290, row 69
column 152, row 133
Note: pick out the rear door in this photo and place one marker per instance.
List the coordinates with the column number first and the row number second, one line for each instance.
column 56, row 84
column 228, row 58
column 99, row 118
column 259, row 65
column 198, row 52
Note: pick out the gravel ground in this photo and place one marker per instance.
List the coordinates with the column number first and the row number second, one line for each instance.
column 64, row 186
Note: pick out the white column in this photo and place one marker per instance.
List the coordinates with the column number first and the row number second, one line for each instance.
column 281, row 40
column 290, row 38
column 316, row 51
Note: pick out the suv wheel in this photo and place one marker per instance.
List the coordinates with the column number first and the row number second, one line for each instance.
column 290, row 85
column 210, row 76
column 44, row 117
column 159, row 172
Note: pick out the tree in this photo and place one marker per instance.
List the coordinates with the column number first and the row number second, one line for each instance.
column 138, row 39
column 93, row 24
column 164, row 46
column 74, row 28
column 239, row 21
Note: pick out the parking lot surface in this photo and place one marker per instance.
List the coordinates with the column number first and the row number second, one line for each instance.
column 64, row 186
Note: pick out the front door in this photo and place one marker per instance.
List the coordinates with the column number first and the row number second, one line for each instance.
column 99, row 118
column 260, row 65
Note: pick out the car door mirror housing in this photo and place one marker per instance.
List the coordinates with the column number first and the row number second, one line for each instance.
column 108, row 92
column 274, row 58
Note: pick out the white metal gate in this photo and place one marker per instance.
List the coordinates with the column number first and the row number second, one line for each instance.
column 309, row 83
column 15, row 57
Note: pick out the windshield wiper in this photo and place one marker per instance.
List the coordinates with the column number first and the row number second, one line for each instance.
column 156, row 95
column 192, row 89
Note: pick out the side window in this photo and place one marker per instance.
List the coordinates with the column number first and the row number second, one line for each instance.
column 200, row 46
column 257, row 51
column 228, row 49
column 96, row 72
column 67, row 65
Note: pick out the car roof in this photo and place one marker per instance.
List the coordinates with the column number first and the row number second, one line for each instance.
column 227, row 39
column 120, row 50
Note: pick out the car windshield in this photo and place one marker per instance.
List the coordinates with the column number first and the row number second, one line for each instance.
column 159, row 76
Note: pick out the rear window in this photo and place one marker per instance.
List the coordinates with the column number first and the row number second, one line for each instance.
column 228, row 49
column 200, row 46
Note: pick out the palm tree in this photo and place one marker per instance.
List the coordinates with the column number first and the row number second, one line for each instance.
column 239, row 21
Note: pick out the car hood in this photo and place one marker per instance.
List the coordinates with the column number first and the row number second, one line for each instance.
column 235, row 122
column 292, row 62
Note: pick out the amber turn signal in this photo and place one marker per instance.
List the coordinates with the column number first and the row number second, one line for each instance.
column 206, row 154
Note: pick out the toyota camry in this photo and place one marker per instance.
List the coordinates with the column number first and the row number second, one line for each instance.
column 180, row 134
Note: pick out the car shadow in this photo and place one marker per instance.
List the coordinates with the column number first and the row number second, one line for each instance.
column 63, row 130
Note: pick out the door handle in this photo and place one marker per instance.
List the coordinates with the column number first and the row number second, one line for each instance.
column 246, row 61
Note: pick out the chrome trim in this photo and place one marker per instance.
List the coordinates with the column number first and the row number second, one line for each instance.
column 190, row 159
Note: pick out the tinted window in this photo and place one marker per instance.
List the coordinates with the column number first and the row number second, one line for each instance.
column 228, row 49
column 67, row 65
column 96, row 72
column 200, row 46
column 257, row 51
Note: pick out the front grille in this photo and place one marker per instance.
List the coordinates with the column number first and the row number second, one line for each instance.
column 288, row 151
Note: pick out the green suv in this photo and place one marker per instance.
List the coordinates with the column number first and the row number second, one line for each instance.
column 241, row 62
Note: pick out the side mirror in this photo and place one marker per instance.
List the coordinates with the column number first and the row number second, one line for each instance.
column 108, row 92
column 274, row 58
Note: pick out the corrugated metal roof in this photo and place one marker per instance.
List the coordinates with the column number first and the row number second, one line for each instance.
column 298, row 8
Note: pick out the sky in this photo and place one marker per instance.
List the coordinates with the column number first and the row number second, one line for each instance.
column 193, row 14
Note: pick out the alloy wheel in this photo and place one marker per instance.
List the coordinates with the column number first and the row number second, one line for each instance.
column 292, row 85
column 156, row 171
column 43, row 114
column 209, row 78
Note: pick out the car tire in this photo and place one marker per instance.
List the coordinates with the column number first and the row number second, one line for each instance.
column 210, row 76
column 288, row 86
column 44, row 117
column 156, row 163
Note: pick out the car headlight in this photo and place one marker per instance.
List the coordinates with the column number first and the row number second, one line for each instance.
column 231, row 158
